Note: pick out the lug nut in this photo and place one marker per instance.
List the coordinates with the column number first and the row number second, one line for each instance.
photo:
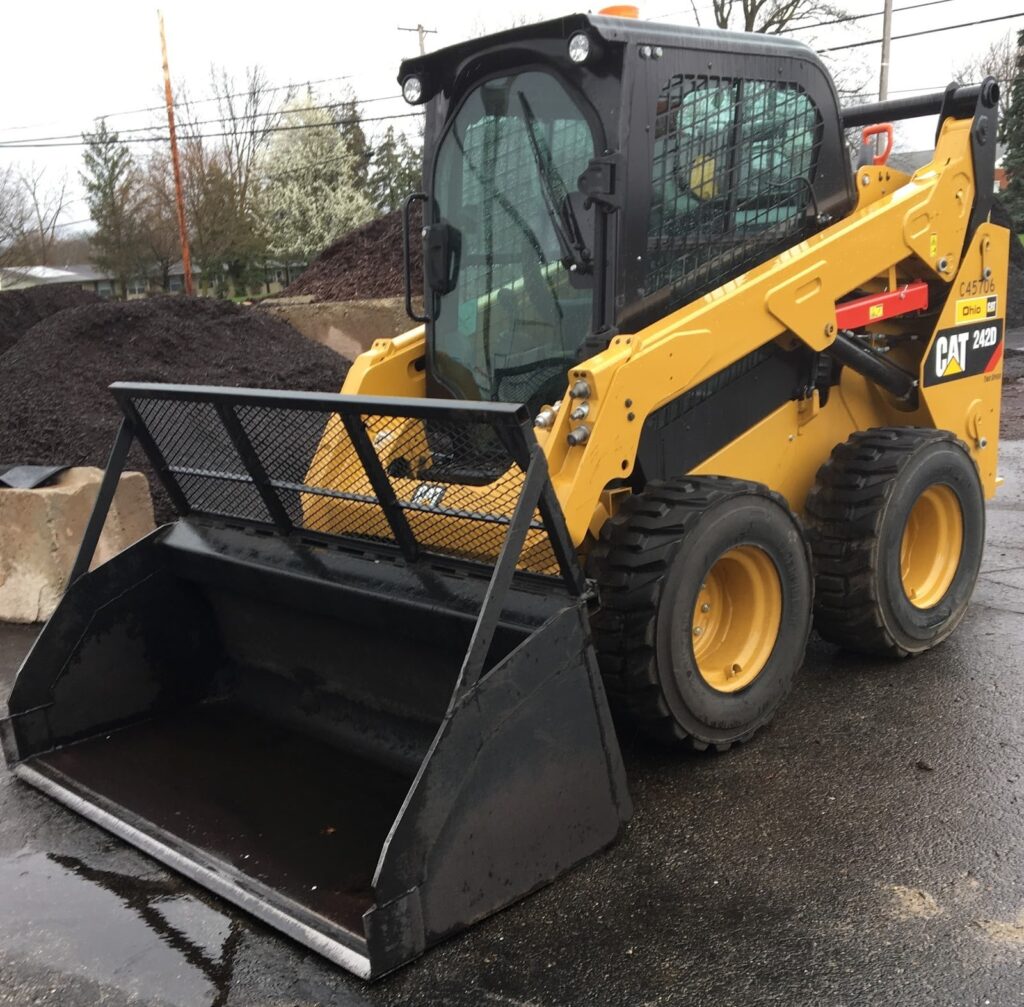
column 544, row 419
column 580, row 390
column 697, row 630
column 578, row 435
column 580, row 412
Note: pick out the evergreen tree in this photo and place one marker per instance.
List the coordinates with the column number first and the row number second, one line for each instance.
column 1012, row 133
column 349, row 122
column 396, row 171
column 113, row 193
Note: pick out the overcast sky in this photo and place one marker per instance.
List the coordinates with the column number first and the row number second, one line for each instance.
column 65, row 63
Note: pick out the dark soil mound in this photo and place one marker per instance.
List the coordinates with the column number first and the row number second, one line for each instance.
column 365, row 263
column 21, row 309
column 55, row 407
column 1015, row 281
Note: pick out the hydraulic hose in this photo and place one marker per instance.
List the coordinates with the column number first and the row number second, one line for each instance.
column 849, row 351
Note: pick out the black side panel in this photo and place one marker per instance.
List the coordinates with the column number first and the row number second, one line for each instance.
column 692, row 427
column 152, row 636
column 476, row 832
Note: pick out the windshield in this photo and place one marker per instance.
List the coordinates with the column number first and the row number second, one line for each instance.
column 519, row 306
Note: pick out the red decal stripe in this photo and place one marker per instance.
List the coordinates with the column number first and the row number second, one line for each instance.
column 993, row 362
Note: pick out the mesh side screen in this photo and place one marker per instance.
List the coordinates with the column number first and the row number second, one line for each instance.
column 205, row 463
column 731, row 180
column 452, row 480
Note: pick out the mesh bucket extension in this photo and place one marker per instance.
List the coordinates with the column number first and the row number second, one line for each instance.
column 351, row 688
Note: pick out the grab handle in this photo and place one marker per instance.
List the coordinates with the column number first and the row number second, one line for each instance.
column 877, row 130
column 407, row 257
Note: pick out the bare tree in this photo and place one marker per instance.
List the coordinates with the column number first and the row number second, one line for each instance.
column 14, row 217
column 770, row 17
column 46, row 205
column 219, row 235
column 222, row 172
column 248, row 116
column 999, row 60
column 71, row 248
column 777, row 17
column 158, row 220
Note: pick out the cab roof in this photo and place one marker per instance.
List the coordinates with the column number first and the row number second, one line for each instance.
column 616, row 30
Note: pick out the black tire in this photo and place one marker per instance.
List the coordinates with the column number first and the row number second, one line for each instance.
column 650, row 562
column 856, row 516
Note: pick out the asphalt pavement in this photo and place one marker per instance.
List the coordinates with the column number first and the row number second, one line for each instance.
column 866, row 849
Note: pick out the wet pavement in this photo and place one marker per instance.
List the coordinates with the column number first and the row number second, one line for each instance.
column 867, row 849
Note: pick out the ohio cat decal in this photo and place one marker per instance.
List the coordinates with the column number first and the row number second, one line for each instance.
column 964, row 352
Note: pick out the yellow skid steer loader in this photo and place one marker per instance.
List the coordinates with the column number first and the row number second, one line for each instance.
column 684, row 380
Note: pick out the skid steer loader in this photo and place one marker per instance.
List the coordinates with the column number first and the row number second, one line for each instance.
column 684, row 379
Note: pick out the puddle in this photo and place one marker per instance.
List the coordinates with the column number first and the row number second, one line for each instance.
column 139, row 935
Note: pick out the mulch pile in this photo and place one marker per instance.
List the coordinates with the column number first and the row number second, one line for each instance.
column 1015, row 280
column 55, row 407
column 365, row 263
column 1015, row 290
column 21, row 309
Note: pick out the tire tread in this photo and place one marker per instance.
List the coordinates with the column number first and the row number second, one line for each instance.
column 632, row 557
column 844, row 515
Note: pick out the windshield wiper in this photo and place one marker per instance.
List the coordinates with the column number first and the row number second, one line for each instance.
column 556, row 198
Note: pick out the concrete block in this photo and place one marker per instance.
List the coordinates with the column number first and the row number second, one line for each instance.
column 41, row 529
column 347, row 327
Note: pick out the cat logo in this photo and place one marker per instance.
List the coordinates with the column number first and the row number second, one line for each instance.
column 427, row 495
column 951, row 354
column 965, row 353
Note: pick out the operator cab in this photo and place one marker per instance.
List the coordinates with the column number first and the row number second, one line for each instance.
column 588, row 175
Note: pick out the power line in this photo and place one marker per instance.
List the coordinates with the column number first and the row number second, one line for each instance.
column 199, row 101
column 860, row 17
column 20, row 145
column 220, row 119
column 846, row 18
column 233, row 94
column 686, row 10
column 928, row 31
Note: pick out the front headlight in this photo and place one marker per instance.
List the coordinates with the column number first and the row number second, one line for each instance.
column 579, row 47
column 412, row 90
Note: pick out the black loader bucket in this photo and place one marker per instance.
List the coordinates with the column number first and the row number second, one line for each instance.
column 352, row 688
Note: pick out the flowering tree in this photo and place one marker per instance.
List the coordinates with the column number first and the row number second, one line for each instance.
column 312, row 191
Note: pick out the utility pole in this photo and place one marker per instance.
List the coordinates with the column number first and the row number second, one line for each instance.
column 186, row 257
column 883, row 77
column 422, row 33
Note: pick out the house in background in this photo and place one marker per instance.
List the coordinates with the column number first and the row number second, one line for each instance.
column 276, row 276
column 20, row 277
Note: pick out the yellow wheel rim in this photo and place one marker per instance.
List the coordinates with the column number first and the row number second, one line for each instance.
column 932, row 541
column 736, row 618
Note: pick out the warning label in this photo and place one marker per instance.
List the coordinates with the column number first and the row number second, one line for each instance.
column 965, row 351
column 974, row 309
